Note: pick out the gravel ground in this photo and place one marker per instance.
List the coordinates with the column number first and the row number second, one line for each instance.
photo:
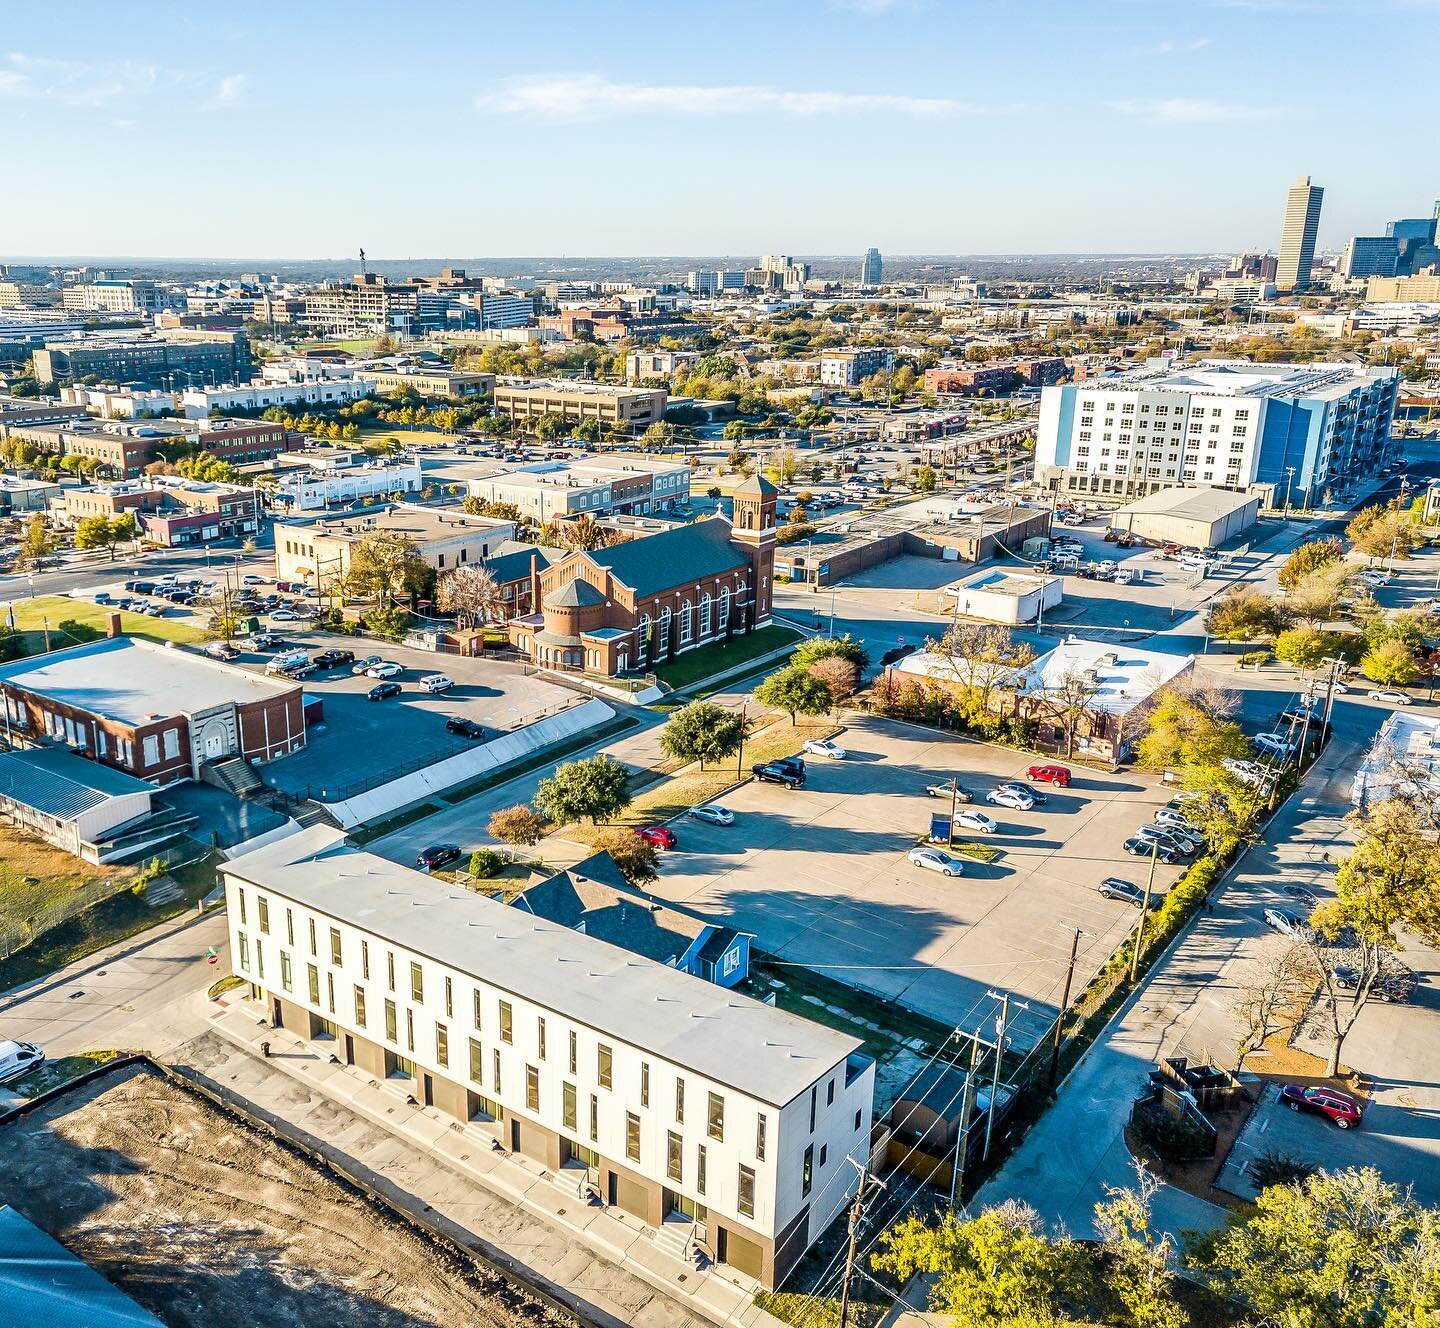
column 204, row 1221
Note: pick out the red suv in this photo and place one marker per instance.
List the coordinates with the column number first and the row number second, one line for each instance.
column 1050, row 774
column 659, row 835
column 1339, row 1107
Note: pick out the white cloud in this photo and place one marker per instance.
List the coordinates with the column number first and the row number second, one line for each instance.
column 108, row 83
column 229, row 91
column 1187, row 110
column 1178, row 47
column 14, row 84
column 866, row 6
column 564, row 97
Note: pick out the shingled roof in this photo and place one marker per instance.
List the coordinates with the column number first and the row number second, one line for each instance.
column 673, row 557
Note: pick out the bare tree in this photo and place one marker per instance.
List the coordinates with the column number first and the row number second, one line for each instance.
column 472, row 594
column 984, row 657
column 1069, row 701
column 1281, row 975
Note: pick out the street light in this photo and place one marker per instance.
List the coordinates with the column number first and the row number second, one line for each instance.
column 1289, row 480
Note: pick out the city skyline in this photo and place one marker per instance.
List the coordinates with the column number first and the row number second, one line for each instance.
column 937, row 129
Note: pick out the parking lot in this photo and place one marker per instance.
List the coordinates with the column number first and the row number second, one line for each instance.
column 361, row 739
column 820, row 875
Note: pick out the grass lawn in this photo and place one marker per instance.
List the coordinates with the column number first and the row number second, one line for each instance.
column 697, row 665
column 54, row 1073
column 39, row 884
column 31, row 615
column 671, row 796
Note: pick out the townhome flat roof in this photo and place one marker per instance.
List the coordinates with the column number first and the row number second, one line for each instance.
column 757, row 1049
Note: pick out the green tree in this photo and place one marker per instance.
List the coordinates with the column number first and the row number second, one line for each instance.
column 518, row 825
column 1181, row 730
column 735, row 431
column 796, row 691
column 1317, row 597
column 1391, row 664
column 1338, row 1249
column 1383, row 532
column 1305, row 647
column 658, row 437
column 637, row 859
column 485, row 863
column 1243, row 614
column 595, row 788
column 1137, row 1262
column 702, row 731
column 925, row 478
column 1309, row 557
column 97, row 532
column 384, row 565
column 831, row 647
column 38, row 540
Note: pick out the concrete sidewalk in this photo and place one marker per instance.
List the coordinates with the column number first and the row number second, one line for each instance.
column 600, row 1255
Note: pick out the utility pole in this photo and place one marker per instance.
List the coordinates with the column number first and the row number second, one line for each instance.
column 1334, row 664
column 967, row 1105
column 954, row 809
column 740, row 754
column 857, row 1211
column 1144, row 911
column 1064, row 1005
column 1002, row 1023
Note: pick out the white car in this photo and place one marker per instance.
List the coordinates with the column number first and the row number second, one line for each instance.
column 1197, row 563
column 1287, row 924
column 17, row 1058
column 386, row 668
column 1011, row 797
column 934, row 859
column 431, row 682
column 713, row 814
column 976, row 821
column 823, row 747
column 1390, row 696
column 1249, row 771
column 250, row 579
column 1168, row 816
column 1274, row 744
column 1375, row 577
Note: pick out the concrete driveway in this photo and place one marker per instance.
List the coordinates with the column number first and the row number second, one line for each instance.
column 820, row 875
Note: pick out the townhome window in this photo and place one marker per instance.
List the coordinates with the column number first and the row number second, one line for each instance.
column 674, row 1157
column 700, row 1169
column 409, row 1029
column 715, row 1117
column 449, row 999
column 285, row 975
column 360, row 1007
column 240, row 896
column 290, row 926
column 745, row 1202
column 330, row 992
column 830, row 1094
column 594, row 1118
column 532, row 1088
column 541, row 1035
column 760, row 1137
column 680, row 1101
column 262, row 907
column 314, row 947
column 313, row 975
column 417, row 983
column 814, row 1094
column 574, row 1048
column 632, row 1136
column 335, row 952
column 604, row 1066
column 567, row 1106
column 365, row 960
column 644, row 1083
column 477, row 1061
column 391, row 1026
column 507, row 1023
column 496, row 1067
column 244, row 951
column 442, row 1046
column 477, row 1010
column 807, row 1171
column 390, row 969
column 1238, row 430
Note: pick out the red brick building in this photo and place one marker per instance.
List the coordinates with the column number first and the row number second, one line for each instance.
column 158, row 713
column 636, row 605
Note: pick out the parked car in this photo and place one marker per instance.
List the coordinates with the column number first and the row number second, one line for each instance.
column 1250, row 772
column 437, row 855
column 945, row 791
column 1285, row 922
column 309, row 670
column 433, row 682
column 250, row 579
column 1143, row 848
column 267, row 641
column 1127, row 892
column 1390, row 696
column 713, row 814
column 464, row 728
column 1168, row 816
column 1331, row 1103
column 1037, row 798
column 773, row 772
column 1274, row 744
column 934, row 859
column 1018, row 799
column 1187, row 841
column 976, row 821
column 662, row 836
column 1050, row 774
column 333, row 659
column 383, row 691
column 365, row 664
column 288, row 662
column 1300, row 894
column 795, row 763
column 221, row 650
column 824, row 747
column 1393, row 986
column 17, row 1058
column 386, row 668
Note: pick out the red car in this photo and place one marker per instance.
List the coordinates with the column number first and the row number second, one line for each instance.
column 1339, row 1107
column 659, row 835
column 1050, row 774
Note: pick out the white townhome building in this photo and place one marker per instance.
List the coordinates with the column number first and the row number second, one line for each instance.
column 677, row 1100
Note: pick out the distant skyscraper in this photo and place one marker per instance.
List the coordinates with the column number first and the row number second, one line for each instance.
column 1297, row 241
column 872, row 268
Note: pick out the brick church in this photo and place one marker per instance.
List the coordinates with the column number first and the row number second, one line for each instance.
column 634, row 606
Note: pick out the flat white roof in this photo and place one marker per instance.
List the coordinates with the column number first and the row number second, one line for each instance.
column 731, row 1039
column 138, row 682
column 1124, row 675
column 1196, row 504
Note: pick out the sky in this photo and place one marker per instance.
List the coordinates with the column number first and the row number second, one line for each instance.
column 629, row 127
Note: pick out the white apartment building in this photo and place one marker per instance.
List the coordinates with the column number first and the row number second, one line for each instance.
column 549, row 489
column 198, row 402
column 123, row 403
column 1293, row 431
column 845, row 368
column 342, row 477
column 671, row 1098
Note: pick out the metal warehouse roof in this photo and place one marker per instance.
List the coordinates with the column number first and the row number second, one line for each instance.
column 1196, row 504
column 56, row 781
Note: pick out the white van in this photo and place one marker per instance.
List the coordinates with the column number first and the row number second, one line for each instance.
column 291, row 659
column 17, row 1058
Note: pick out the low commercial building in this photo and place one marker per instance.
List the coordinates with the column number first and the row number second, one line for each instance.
column 319, row 550
column 166, row 360
column 1196, row 518
column 451, row 384
column 661, row 1094
column 1403, row 759
column 845, row 368
column 198, row 403
column 634, row 408
column 158, row 713
column 322, row 476
column 1005, row 597
column 172, row 511
column 547, row 490
column 39, row 410
column 19, row 496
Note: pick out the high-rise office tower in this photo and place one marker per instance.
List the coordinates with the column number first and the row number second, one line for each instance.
column 1297, row 241
column 872, row 268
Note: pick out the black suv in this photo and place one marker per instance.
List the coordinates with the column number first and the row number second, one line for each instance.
column 333, row 659
column 780, row 772
column 464, row 728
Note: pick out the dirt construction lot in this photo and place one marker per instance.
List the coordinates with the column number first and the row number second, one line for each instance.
column 820, row 875
column 208, row 1223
